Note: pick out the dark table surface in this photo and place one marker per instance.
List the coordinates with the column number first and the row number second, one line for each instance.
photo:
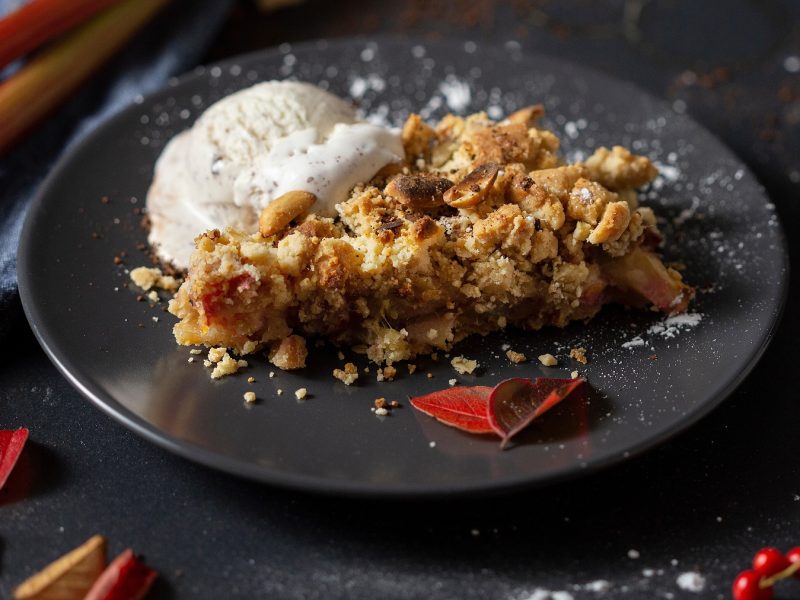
column 703, row 502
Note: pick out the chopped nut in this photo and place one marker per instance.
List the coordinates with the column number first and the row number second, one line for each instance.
column 380, row 403
column 300, row 393
column 279, row 391
column 464, row 365
column 250, row 397
column 574, row 374
column 190, row 359
column 394, row 404
column 527, row 116
column 548, row 360
column 516, row 357
column 419, row 192
column 471, row 190
column 381, row 412
column 389, row 373
column 579, row 354
column 153, row 296
column 251, row 379
column 452, row 382
column 411, row 368
column 195, row 351
column 277, row 215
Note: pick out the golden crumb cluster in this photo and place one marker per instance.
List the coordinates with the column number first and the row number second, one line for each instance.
column 480, row 228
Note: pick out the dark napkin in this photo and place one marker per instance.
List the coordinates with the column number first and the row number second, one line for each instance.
column 173, row 42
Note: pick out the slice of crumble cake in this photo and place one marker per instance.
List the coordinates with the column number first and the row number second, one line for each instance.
column 482, row 227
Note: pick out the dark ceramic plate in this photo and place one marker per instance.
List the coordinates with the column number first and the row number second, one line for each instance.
column 650, row 379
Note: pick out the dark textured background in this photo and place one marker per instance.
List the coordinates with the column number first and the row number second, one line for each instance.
column 704, row 502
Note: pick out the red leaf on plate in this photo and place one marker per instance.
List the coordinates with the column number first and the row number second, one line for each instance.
column 11, row 444
column 515, row 403
column 460, row 407
column 126, row 578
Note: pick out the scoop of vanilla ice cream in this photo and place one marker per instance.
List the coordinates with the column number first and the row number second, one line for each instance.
column 232, row 133
column 253, row 146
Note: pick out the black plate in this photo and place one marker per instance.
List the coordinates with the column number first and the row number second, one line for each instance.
column 648, row 384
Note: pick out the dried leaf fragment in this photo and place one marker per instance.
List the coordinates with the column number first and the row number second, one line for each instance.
column 515, row 403
column 11, row 444
column 126, row 578
column 460, row 407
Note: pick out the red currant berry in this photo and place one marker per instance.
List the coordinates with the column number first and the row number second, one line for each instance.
column 769, row 561
column 745, row 587
column 793, row 556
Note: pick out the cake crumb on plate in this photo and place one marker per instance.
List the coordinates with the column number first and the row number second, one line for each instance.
column 548, row 360
column 464, row 365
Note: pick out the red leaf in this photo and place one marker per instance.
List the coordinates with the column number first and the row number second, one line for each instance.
column 515, row 403
column 126, row 578
column 11, row 444
column 460, row 407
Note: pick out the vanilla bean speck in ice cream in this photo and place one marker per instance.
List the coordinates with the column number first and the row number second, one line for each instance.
column 250, row 148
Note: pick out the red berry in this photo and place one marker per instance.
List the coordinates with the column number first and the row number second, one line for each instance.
column 769, row 561
column 745, row 587
column 793, row 556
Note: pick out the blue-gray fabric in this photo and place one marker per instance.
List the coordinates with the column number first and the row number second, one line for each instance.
column 171, row 44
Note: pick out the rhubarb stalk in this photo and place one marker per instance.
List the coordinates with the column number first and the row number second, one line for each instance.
column 39, row 21
column 53, row 75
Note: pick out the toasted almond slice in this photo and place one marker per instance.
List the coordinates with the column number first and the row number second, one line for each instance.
column 71, row 576
column 418, row 192
column 471, row 190
column 282, row 210
column 616, row 218
column 527, row 115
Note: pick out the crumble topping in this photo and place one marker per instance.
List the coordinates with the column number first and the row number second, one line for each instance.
column 480, row 228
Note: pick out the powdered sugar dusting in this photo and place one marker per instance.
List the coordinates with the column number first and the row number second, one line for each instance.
column 691, row 581
column 672, row 326
column 542, row 594
column 667, row 328
column 457, row 93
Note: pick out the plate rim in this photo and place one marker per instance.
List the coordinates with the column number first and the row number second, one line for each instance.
column 341, row 487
